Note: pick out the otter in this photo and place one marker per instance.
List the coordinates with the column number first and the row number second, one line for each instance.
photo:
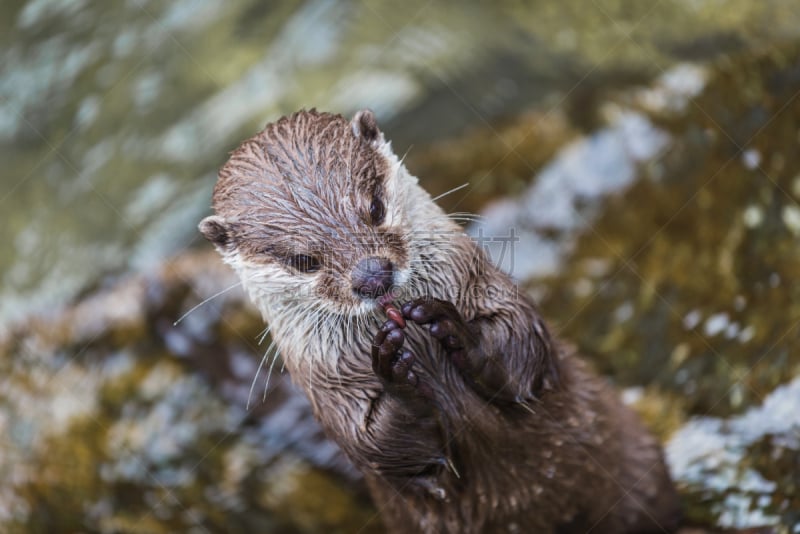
column 461, row 409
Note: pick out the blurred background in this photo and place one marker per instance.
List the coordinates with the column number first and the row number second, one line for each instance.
column 646, row 154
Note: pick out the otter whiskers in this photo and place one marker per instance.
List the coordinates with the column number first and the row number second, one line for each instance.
column 459, row 188
column 258, row 370
column 209, row 299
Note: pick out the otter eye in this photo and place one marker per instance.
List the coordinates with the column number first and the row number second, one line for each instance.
column 377, row 211
column 304, row 263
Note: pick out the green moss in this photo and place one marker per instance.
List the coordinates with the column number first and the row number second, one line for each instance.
column 709, row 283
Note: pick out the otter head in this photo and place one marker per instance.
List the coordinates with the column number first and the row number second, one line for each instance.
column 315, row 213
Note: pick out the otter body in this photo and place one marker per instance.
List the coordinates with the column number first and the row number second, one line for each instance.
column 464, row 415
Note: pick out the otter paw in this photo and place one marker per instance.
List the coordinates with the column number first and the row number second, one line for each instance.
column 446, row 323
column 390, row 361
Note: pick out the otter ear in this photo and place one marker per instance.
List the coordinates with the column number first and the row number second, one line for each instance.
column 364, row 125
column 216, row 230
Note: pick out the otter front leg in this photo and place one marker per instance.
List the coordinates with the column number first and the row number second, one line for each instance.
column 462, row 342
column 412, row 417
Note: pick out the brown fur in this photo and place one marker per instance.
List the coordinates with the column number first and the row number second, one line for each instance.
column 550, row 449
column 302, row 150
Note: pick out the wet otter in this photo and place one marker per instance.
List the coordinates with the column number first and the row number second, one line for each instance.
column 464, row 414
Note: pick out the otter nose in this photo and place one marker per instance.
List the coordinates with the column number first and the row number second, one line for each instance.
column 372, row 277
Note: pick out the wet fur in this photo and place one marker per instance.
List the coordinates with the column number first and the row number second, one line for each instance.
column 554, row 450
